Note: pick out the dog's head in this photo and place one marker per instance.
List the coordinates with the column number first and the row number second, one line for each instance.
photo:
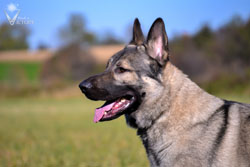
column 133, row 76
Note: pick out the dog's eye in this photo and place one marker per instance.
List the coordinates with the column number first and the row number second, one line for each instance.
column 121, row 70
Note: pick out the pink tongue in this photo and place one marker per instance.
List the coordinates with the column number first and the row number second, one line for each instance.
column 99, row 112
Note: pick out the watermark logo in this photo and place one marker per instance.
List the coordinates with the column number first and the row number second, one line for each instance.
column 12, row 14
column 12, row 8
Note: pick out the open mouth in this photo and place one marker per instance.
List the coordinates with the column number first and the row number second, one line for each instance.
column 114, row 108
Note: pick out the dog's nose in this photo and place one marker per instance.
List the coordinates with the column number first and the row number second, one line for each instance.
column 84, row 86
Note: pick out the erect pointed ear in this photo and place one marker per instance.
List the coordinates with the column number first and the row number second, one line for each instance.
column 138, row 37
column 157, row 42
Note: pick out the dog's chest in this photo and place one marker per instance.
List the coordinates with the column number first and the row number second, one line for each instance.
column 165, row 148
column 157, row 144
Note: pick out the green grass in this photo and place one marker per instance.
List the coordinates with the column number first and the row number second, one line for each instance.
column 49, row 132
column 41, row 132
column 239, row 98
column 20, row 71
column 229, row 84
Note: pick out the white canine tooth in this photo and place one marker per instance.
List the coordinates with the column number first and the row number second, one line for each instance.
column 105, row 113
column 123, row 100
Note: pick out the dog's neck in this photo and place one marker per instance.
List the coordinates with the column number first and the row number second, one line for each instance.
column 177, row 99
column 187, row 101
column 181, row 101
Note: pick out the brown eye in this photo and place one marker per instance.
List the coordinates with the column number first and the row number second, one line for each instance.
column 121, row 70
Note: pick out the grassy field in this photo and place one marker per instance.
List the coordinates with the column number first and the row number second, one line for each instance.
column 51, row 132
column 20, row 72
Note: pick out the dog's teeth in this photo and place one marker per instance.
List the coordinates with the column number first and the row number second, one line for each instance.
column 123, row 100
column 105, row 113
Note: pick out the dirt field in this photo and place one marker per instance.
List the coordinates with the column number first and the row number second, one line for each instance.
column 24, row 55
column 101, row 54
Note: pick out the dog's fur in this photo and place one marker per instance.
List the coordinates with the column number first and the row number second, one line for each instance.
column 179, row 123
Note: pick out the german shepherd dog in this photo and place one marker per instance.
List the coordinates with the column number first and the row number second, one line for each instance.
column 179, row 123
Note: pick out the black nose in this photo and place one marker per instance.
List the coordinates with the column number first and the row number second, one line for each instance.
column 84, row 86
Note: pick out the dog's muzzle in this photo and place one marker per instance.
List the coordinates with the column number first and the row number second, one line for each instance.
column 85, row 85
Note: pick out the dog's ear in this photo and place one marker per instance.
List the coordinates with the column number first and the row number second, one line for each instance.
column 157, row 42
column 138, row 37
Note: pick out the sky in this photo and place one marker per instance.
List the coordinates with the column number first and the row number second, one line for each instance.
column 45, row 17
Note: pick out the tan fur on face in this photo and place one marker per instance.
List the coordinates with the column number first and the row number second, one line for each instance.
column 153, row 89
column 129, row 77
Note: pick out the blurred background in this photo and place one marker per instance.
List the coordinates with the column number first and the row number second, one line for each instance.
column 48, row 47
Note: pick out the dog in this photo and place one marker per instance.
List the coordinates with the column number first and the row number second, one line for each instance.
column 179, row 123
